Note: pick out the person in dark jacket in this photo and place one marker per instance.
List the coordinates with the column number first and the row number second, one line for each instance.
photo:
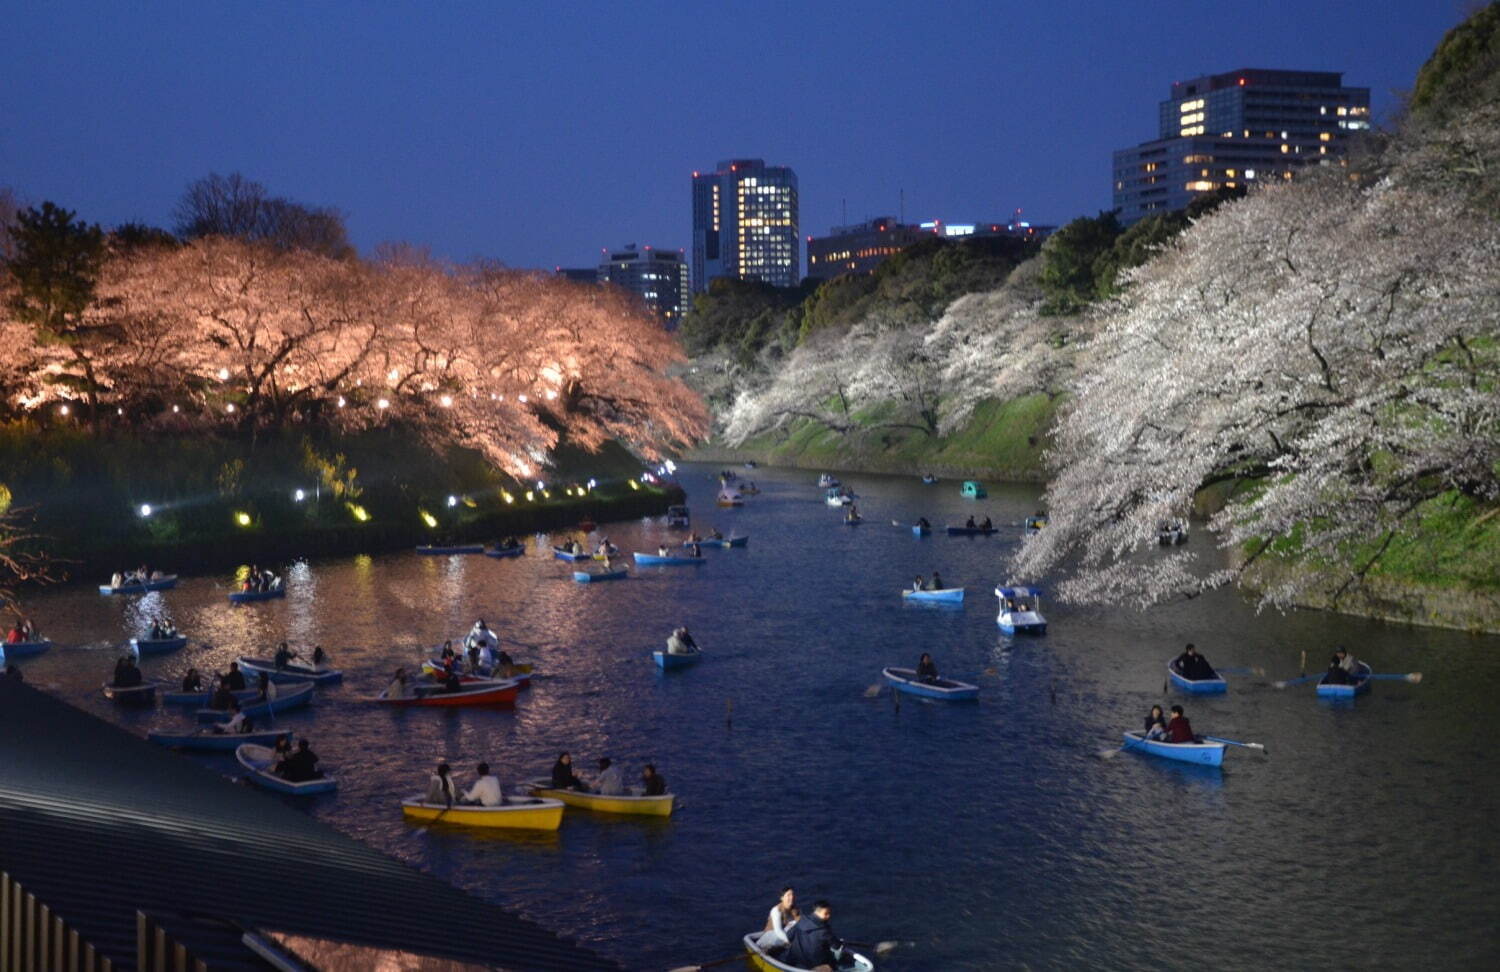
column 654, row 784
column 1193, row 666
column 1179, row 730
column 235, row 679
column 192, row 681
column 1156, row 723
column 223, row 698
column 127, row 673
column 563, row 777
column 1336, row 675
column 302, row 765
column 811, row 943
column 927, row 669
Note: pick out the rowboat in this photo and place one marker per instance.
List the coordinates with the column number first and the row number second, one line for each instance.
column 21, row 649
column 1202, row 753
column 828, row 481
column 973, row 489
column 143, row 694
column 918, row 530
column 498, row 552
column 677, row 516
column 945, row 595
column 589, row 577
column 968, row 531
column 562, row 553
column 853, row 520
column 140, row 587
column 293, row 698
column 499, row 692
column 466, row 548
column 723, row 543
column 1199, row 686
column 521, row 673
column 202, row 699
column 657, row 560
column 519, row 813
column 835, row 498
column 1034, row 524
column 729, row 497
column 157, row 646
column 1020, row 610
column 208, row 740
column 646, row 806
column 929, row 479
column 667, row 661
column 1359, row 686
column 291, row 671
column 763, row 962
column 257, row 760
column 244, row 597
column 951, row 690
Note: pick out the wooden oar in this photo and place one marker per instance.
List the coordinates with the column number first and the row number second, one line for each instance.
column 1231, row 742
column 879, row 948
column 1412, row 677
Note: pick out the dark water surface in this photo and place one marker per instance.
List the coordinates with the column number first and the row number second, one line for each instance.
column 982, row 836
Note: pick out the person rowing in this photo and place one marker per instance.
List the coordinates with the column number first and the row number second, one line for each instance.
column 127, row 673
column 680, row 642
column 926, row 669
column 1179, row 730
column 302, row 765
column 922, row 522
column 1193, row 666
column 986, row 525
column 486, row 791
column 970, row 524
column 652, row 782
column 236, row 724
column 400, row 687
column 714, row 534
column 284, row 655
column 811, row 942
column 234, row 678
column 192, row 681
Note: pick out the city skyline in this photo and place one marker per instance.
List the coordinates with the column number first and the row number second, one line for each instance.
column 477, row 134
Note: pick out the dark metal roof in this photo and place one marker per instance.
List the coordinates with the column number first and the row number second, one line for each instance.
column 98, row 823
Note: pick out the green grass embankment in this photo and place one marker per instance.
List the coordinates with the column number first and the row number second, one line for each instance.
column 1001, row 440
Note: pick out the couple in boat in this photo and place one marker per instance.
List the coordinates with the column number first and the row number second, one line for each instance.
column 803, row 941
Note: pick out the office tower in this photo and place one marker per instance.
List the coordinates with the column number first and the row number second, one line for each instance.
column 745, row 224
column 659, row 277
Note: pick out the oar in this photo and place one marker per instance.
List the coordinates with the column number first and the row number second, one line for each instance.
column 879, row 948
column 874, row 690
column 1412, row 677
column 1242, row 671
column 1231, row 742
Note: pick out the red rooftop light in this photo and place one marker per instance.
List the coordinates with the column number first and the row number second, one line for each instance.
column 1242, row 82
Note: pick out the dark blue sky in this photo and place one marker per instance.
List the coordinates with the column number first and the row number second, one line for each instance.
column 537, row 133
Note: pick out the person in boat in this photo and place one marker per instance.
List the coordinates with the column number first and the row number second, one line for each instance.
column 486, row 791
column 319, row 656
column 504, row 664
column 234, row 678
column 472, row 657
column 222, row 699
column 853, row 513
column 575, row 548
column 652, row 782
column 811, row 942
column 563, row 777
column 714, row 534
column 611, row 781
column 926, row 669
column 1156, row 723
column 13, row 673
column 400, row 687
column 192, row 681
column 1336, row 675
column 453, row 683
column 922, row 522
column 117, row 580
column 783, row 916
column 440, row 788
column 1193, row 666
column 694, row 550
column 937, row 581
column 986, row 525
column 127, row 673
column 1347, row 662
column 236, row 724
column 302, row 765
column 281, row 750
column 920, row 584
column 681, row 643
column 284, row 655
column 268, row 690
column 14, row 635
column 1179, row 730
column 970, row 524
column 662, row 551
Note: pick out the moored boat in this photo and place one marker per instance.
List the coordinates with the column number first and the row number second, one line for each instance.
column 244, row 597
column 291, row 671
column 517, row 813
column 948, row 595
column 948, row 689
column 433, row 550
column 645, row 806
column 292, row 698
column 142, row 694
column 23, row 649
column 763, row 961
column 258, row 760
column 1202, row 753
column 157, row 646
column 165, row 582
column 1359, row 686
column 209, row 741
column 1197, row 686
column 657, row 560
column 1020, row 610
column 494, row 692
column 591, row 576
column 666, row 660
column 497, row 552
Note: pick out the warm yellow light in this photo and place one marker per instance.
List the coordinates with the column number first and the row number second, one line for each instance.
column 428, row 519
column 507, row 497
column 633, row 484
column 446, row 401
column 243, row 519
column 358, row 512
column 546, row 494
column 530, row 496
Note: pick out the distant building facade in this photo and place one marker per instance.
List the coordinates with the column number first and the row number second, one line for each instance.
column 862, row 247
column 1236, row 129
column 745, row 224
column 658, row 277
column 578, row 274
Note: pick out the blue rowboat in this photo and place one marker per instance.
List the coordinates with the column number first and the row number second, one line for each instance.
column 258, row 761
column 467, row 548
column 504, row 551
column 244, row 597
column 667, row 661
column 968, row 531
column 1201, row 686
column 1020, row 610
column 157, row 646
column 290, row 672
column 21, row 649
column 562, row 554
column 587, row 577
column 141, row 587
column 208, row 740
column 202, row 699
column 1204, row 753
column 142, row 694
column 920, row 531
column 293, row 698
column 944, row 595
column 656, row 560
column 723, row 543
column 1359, row 686
column 947, row 689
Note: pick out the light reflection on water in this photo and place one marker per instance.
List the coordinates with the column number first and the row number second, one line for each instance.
column 989, row 836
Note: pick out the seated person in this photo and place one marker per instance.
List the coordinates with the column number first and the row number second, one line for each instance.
column 1156, row 723
column 223, row 697
column 440, row 788
column 486, row 791
column 783, row 916
column 127, row 673
column 235, row 678
column 399, row 688
column 1336, row 675
column 986, row 525
column 922, row 522
column 811, row 943
column 969, row 524
column 661, row 551
column 937, row 581
column 1191, row 665
column 920, row 584
column 237, row 722
column 302, row 765
column 652, row 782
column 927, row 669
column 1178, row 728
column 611, row 781
column 192, row 681
column 284, row 655
column 563, row 777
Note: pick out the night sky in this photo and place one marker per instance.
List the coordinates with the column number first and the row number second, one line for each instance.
column 537, row 133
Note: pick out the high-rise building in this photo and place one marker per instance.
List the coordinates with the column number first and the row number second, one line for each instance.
column 659, row 277
column 1237, row 129
column 745, row 224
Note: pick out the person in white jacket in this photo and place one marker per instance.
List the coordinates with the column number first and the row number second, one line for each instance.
column 611, row 781
column 486, row 790
column 440, row 788
column 783, row 915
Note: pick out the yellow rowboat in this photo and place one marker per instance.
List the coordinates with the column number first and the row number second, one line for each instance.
column 763, row 962
column 519, row 814
column 648, row 806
